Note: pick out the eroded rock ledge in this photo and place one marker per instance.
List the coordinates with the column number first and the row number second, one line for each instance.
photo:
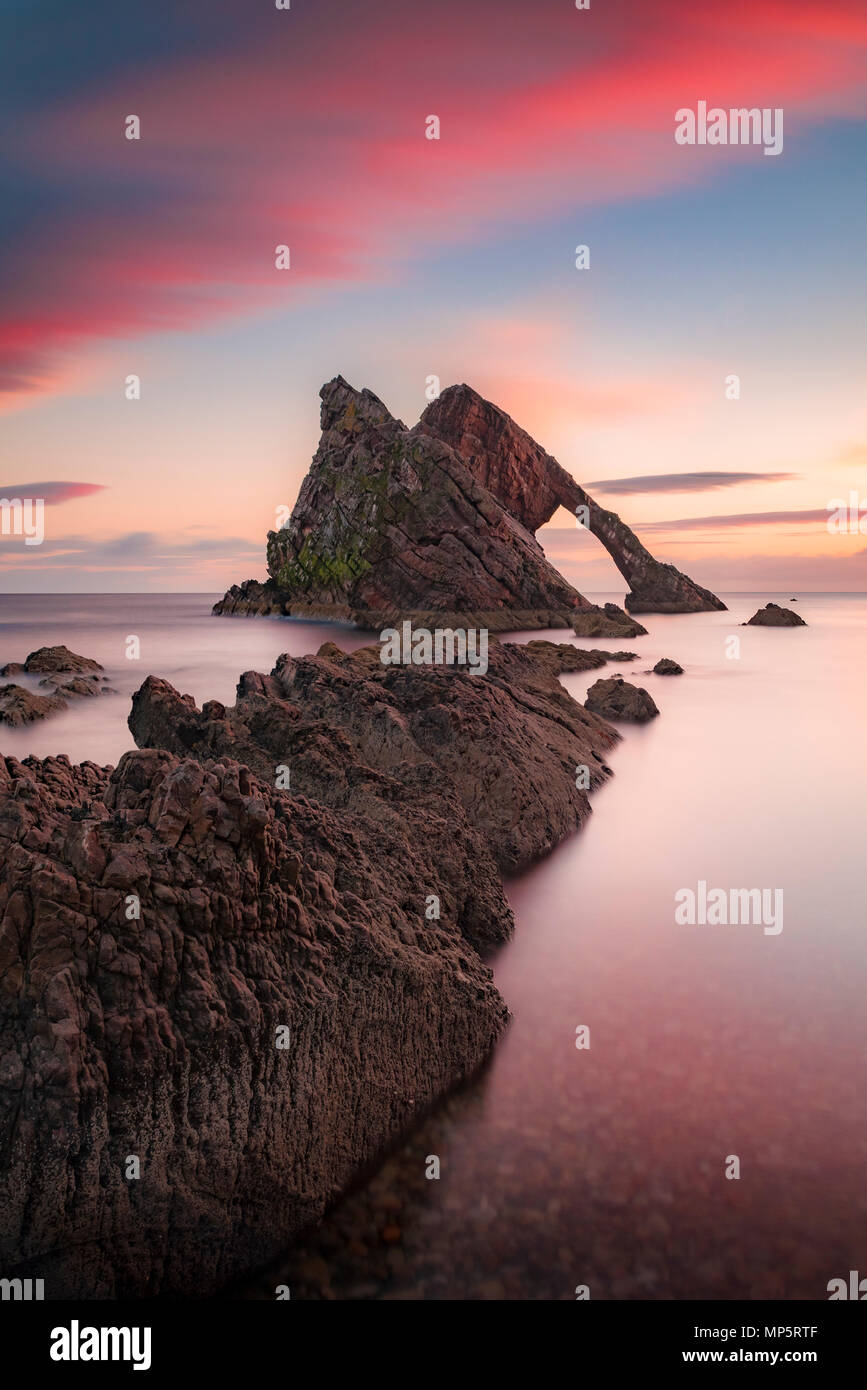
column 159, row 923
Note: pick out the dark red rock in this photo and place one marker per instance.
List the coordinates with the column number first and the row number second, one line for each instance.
column 531, row 485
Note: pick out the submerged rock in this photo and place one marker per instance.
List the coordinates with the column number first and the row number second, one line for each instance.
column 19, row 706
column 615, row 698
column 772, row 615
column 394, row 523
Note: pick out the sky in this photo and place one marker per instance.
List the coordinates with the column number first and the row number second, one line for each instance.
column 413, row 257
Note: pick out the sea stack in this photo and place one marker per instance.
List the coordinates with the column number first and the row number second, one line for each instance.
column 437, row 524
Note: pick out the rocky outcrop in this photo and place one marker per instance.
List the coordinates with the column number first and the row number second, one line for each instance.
column 666, row 667
column 394, row 523
column 236, row 967
column 615, row 698
column 52, row 660
column 772, row 615
column 390, row 524
column 531, row 485
column 19, row 705
column 508, row 743
column 609, row 621
column 279, row 1006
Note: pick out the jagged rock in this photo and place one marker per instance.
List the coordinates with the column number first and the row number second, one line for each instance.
column 394, row 523
column 615, row 698
column 52, row 659
column 532, row 485
column 772, row 615
column 666, row 667
column 609, row 621
column 390, row 524
column 152, row 1033
column 19, row 706
column 253, row 599
column 83, row 685
column 156, row 1036
column 507, row 742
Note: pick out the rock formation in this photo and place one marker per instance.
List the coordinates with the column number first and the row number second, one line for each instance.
column 608, row 621
column 666, row 667
column 615, row 698
column 18, row 705
column 531, row 485
column 435, row 524
column 508, row 743
column 52, row 660
column 220, row 999
column 156, row 1036
column 772, row 615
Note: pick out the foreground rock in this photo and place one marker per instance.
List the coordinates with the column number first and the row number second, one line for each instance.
column 772, row 615
column 436, row 524
column 615, row 698
column 252, row 991
column 157, row 1037
column 666, row 667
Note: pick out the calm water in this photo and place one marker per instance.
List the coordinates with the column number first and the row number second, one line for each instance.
column 606, row 1166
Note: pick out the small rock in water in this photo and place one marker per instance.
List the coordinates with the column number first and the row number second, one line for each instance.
column 772, row 615
column 615, row 698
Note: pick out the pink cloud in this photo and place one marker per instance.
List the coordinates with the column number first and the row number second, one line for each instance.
column 322, row 148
